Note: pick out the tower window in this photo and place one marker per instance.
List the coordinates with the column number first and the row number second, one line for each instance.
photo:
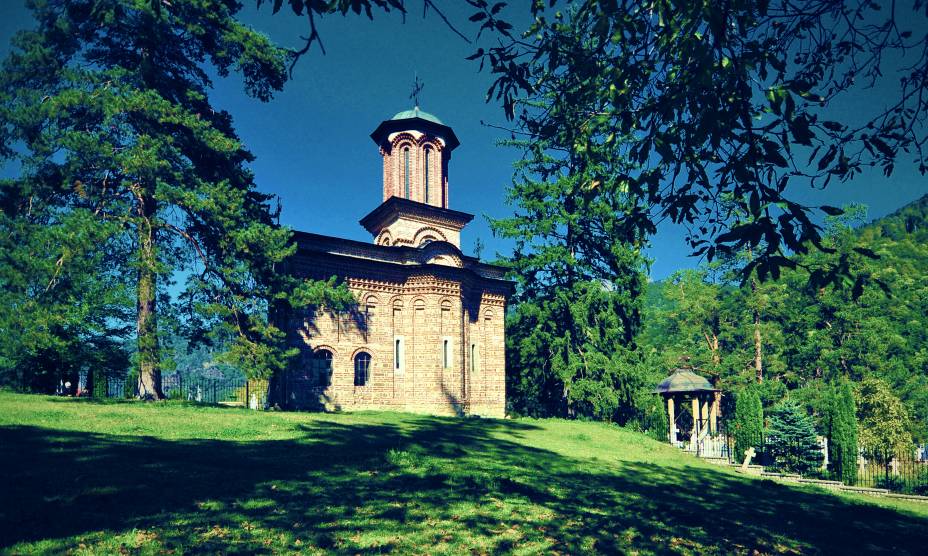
column 406, row 174
column 446, row 353
column 428, row 152
column 362, row 368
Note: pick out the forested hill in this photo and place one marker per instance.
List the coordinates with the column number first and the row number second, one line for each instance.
column 810, row 337
column 909, row 222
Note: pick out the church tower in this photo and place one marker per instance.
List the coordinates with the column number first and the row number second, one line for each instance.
column 416, row 149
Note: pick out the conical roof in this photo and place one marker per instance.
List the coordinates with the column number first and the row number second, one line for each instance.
column 684, row 380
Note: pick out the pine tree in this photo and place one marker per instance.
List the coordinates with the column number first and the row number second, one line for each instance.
column 105, row 107
column 791, row 440
column 748, row 422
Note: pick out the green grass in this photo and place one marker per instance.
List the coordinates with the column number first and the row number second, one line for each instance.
column 88, row 478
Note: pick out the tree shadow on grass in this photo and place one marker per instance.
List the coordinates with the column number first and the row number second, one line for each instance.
column 422, row 484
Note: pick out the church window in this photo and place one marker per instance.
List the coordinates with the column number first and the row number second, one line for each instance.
column 362, row 368
column 446, row 353
column 428, row 152
column 321, row 365
column 398, row 354
column 473, row 358
column 406, row 173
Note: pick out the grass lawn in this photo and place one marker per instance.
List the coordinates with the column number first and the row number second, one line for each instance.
column 86, row 477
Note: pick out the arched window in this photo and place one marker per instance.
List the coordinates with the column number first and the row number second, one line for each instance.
column 321, row 365
column 428, row 152
column 406, row 174
column 362, row 368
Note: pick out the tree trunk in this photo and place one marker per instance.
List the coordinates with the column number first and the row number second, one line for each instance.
column 149, row 356
column 758, row 353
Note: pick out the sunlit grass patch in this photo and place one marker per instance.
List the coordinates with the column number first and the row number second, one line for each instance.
column 80, row 478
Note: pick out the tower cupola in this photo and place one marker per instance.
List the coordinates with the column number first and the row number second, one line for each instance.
column 416, row 148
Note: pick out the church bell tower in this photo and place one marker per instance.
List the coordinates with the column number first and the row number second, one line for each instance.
column 416, row 149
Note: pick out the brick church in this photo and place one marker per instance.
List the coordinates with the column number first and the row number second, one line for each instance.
column 427, row 332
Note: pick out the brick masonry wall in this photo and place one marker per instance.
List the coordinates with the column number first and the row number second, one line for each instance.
column 423, row 310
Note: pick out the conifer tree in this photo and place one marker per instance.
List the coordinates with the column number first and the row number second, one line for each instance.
column 578, row 236
column 842, row 433
column 748, row 422
column 105, row 107
column 791, row 440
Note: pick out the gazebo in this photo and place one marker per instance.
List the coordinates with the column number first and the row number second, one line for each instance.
column 682, row 385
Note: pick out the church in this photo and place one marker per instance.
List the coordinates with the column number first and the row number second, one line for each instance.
column 427, row 333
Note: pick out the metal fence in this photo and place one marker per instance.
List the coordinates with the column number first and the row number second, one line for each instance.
column 224, row 390
column 904, row 471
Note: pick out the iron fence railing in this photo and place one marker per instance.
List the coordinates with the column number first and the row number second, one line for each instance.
column 904, row 471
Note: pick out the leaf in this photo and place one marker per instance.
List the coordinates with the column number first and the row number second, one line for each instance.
column 831, row 211
column 829, row 156
column 479, row 16
column 475, row 55
column 884, row 149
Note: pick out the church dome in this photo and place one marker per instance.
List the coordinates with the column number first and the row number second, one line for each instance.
column 416, row 113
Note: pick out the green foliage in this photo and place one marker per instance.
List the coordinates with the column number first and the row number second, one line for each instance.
column 717, row 107
column 104, row 106
column 884, row 422
column 747, row 427
column 790, row 440
column 812, row 336
column 841, row 425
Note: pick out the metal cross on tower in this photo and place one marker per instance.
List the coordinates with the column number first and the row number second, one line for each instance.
column 417, row 87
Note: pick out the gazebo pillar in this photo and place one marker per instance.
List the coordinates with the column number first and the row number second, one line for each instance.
column 716, row 408
column 695, row 434
column 671, row 416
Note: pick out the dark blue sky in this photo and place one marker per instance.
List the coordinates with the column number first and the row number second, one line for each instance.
column 312, row 141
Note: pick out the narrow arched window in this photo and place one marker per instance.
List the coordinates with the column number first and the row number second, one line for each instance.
column 362, row 368
column 428, row 152
column 406, row 158
column 322, row 367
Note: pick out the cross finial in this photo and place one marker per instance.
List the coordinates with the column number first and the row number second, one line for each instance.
column 417, row 87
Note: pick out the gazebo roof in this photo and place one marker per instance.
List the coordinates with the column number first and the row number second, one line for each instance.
column 684, row 381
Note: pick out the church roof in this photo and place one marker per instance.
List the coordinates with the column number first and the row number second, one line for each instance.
column 396, row 206
column 416, row 113
column 398, row 256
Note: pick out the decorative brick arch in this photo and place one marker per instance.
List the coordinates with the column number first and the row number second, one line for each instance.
column 384, row 238
column 365, row 349
column 419, row 302
column 426, row 232
column 327, row 347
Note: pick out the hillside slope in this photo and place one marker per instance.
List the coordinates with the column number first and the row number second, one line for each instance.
column 142, row 478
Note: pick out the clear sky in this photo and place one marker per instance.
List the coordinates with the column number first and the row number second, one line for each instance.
column 314, row 151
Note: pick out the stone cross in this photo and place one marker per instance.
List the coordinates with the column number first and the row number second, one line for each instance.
column 748, row 454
